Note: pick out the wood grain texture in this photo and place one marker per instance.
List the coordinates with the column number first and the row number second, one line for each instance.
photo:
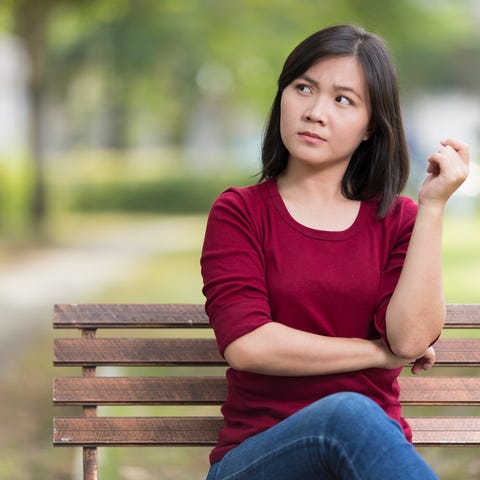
column 130, row 316
column 154, row 431
column 439, row 390
column 91, row 391
column 189, row 315
column 191, row 351
column 136, row 431
column 136, row 351
column 139, row 391
column 212, row 390
column 445, row 431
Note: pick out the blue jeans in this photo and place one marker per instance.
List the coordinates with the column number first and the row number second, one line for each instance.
column 345, row 436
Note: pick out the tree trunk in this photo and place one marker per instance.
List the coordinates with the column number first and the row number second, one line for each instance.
column 31, row 17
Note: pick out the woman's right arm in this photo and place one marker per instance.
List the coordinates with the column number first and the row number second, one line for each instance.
column 276, row 349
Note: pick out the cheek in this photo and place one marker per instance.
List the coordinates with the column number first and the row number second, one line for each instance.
column 284, row 122
column 287, row 116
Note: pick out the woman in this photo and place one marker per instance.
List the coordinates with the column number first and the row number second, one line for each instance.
column 321, row 281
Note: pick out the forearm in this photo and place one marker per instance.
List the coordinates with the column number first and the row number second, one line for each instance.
column 275, row 349
column 416, row 311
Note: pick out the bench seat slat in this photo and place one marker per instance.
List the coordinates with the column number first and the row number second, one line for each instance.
column 153, row 431
column 439, row 390
column 212, row 390
column 141, row 351
column 130, row 316
column 189, row 315
column 458, row 352
column 463, row 316
column 445, row 431
column 136, row 431
column 139, row 390
column 136, row 351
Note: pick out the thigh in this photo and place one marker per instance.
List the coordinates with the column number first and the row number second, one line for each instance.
column 283, row 452
column 343, row 436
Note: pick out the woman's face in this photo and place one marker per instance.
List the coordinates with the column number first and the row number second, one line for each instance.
column 325, row 113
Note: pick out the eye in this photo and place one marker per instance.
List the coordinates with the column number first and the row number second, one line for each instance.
column 303, row 88
column 343, row 100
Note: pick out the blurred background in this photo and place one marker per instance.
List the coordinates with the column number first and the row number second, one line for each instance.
column 122, row 120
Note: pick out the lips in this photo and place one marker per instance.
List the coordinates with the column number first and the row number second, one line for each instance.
column 311, row 137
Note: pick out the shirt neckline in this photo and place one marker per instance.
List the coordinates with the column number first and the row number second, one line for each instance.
column 349, row 232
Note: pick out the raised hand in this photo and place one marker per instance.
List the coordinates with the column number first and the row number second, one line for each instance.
column 447, row 170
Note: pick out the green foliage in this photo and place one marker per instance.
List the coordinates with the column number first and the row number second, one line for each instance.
column 145, row 55
column 187, row 194
column 15, row 191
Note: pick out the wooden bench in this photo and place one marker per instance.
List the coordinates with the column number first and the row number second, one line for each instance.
column 89, row 390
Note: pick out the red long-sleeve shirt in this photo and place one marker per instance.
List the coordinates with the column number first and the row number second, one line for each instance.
column 260, row 265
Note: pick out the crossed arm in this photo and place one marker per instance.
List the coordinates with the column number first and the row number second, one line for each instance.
column 415, row 313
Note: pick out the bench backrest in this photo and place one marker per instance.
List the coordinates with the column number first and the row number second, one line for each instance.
column 200, row 388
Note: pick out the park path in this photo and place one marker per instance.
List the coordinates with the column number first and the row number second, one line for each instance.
column 76, row 270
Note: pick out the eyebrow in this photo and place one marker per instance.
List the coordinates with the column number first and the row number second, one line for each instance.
column 340, row 88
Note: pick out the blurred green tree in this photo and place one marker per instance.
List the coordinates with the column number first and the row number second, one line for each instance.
column 126, row 60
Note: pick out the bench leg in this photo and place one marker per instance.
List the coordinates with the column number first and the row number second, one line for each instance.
column 90, row 463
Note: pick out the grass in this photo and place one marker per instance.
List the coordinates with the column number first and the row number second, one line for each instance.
column 167, row 278
column 461, row 259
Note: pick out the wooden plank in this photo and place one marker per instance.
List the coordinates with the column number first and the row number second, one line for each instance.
column 445, row 431
column 463, row 316
column 136, row 351
column 212, row 390
column 457, row 352
column 139, row 391
column 130, row 316
column 439, row 390
column 136, row 431
column 155, row 431
column 189, row 315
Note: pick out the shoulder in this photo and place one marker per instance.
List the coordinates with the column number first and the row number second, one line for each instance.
column 237, row 213
column 247, row 199
column 400, row 219
column 403, row 210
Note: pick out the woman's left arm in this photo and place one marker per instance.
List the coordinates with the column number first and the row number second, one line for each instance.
column 416, row 312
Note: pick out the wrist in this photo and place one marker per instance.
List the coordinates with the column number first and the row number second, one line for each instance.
column 379, row 353
column 431, row 208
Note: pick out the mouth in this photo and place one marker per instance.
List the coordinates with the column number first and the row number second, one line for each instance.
column 311, row 137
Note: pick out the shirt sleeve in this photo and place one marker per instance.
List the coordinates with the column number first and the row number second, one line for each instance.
column 399, row 231
column 233, row 270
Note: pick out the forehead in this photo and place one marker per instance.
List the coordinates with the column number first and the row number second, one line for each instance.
column 340, row 70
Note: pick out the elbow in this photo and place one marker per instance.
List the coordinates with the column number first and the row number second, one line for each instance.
column 412, row 349
column 411, row 337
column 240, row 357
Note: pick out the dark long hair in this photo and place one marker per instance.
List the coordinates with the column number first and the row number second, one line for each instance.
column 379, row 167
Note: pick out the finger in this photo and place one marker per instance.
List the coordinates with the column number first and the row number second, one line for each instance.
column 433, row 165
column 448, row 161
column 462, row 148
column 439, row 161
column 417, row 367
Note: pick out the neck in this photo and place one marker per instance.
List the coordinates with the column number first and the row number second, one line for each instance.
column 320, row 187
column 315, row 199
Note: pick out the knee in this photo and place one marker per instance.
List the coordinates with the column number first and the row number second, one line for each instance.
column 349, row 402
column 345, row 408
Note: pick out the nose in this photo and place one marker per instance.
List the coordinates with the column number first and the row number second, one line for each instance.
column 317, row 110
